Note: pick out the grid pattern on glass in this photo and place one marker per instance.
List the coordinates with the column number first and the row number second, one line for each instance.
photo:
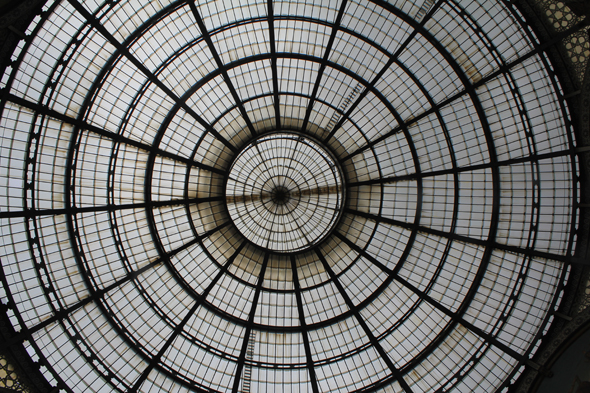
column 119, row 259
column 284, row 192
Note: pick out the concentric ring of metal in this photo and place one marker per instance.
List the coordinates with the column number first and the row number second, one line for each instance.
column 126, row 269
column 284, row 192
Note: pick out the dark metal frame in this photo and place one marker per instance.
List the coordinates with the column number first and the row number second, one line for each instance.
column 30, row 213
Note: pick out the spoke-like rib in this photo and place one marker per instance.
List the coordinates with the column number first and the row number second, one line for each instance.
column 471, row 168
column 99, row 293
column 374, row 342
column 500, row 71
column 466, row 239
column 43, row 110
column 143, row 69
column 424, row 296
column 273, row 62
column 178, row 329
column 312, row 377
column 250, row 323
column 106, row 208
column 222, row 67
column 392, row 58
column 324, row 63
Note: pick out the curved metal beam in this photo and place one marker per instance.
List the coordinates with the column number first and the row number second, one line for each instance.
column 323, row 64
column 249, row 325
column 374, row 342
column 301, row 312
column 207, row 37
column 123, row 50
column 466, row 239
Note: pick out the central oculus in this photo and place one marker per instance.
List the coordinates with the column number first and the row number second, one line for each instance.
column 284, row 192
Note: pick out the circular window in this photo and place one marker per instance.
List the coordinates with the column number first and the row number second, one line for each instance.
column 268, row 196
column 284, row 192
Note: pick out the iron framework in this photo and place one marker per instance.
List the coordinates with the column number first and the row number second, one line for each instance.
column 454, row 186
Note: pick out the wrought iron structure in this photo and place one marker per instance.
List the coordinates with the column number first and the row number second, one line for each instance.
column 352, row 195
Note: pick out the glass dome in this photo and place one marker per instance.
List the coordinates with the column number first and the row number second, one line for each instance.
column 294, row 196
column 284, row 192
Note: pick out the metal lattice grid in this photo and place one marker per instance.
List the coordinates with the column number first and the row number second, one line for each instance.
column 9, row 378
column 284, row 192
column 440, row 184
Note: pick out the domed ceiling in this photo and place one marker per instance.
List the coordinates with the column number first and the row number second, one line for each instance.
column 270, row 196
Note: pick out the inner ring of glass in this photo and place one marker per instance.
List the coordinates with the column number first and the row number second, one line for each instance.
column 284, row 192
